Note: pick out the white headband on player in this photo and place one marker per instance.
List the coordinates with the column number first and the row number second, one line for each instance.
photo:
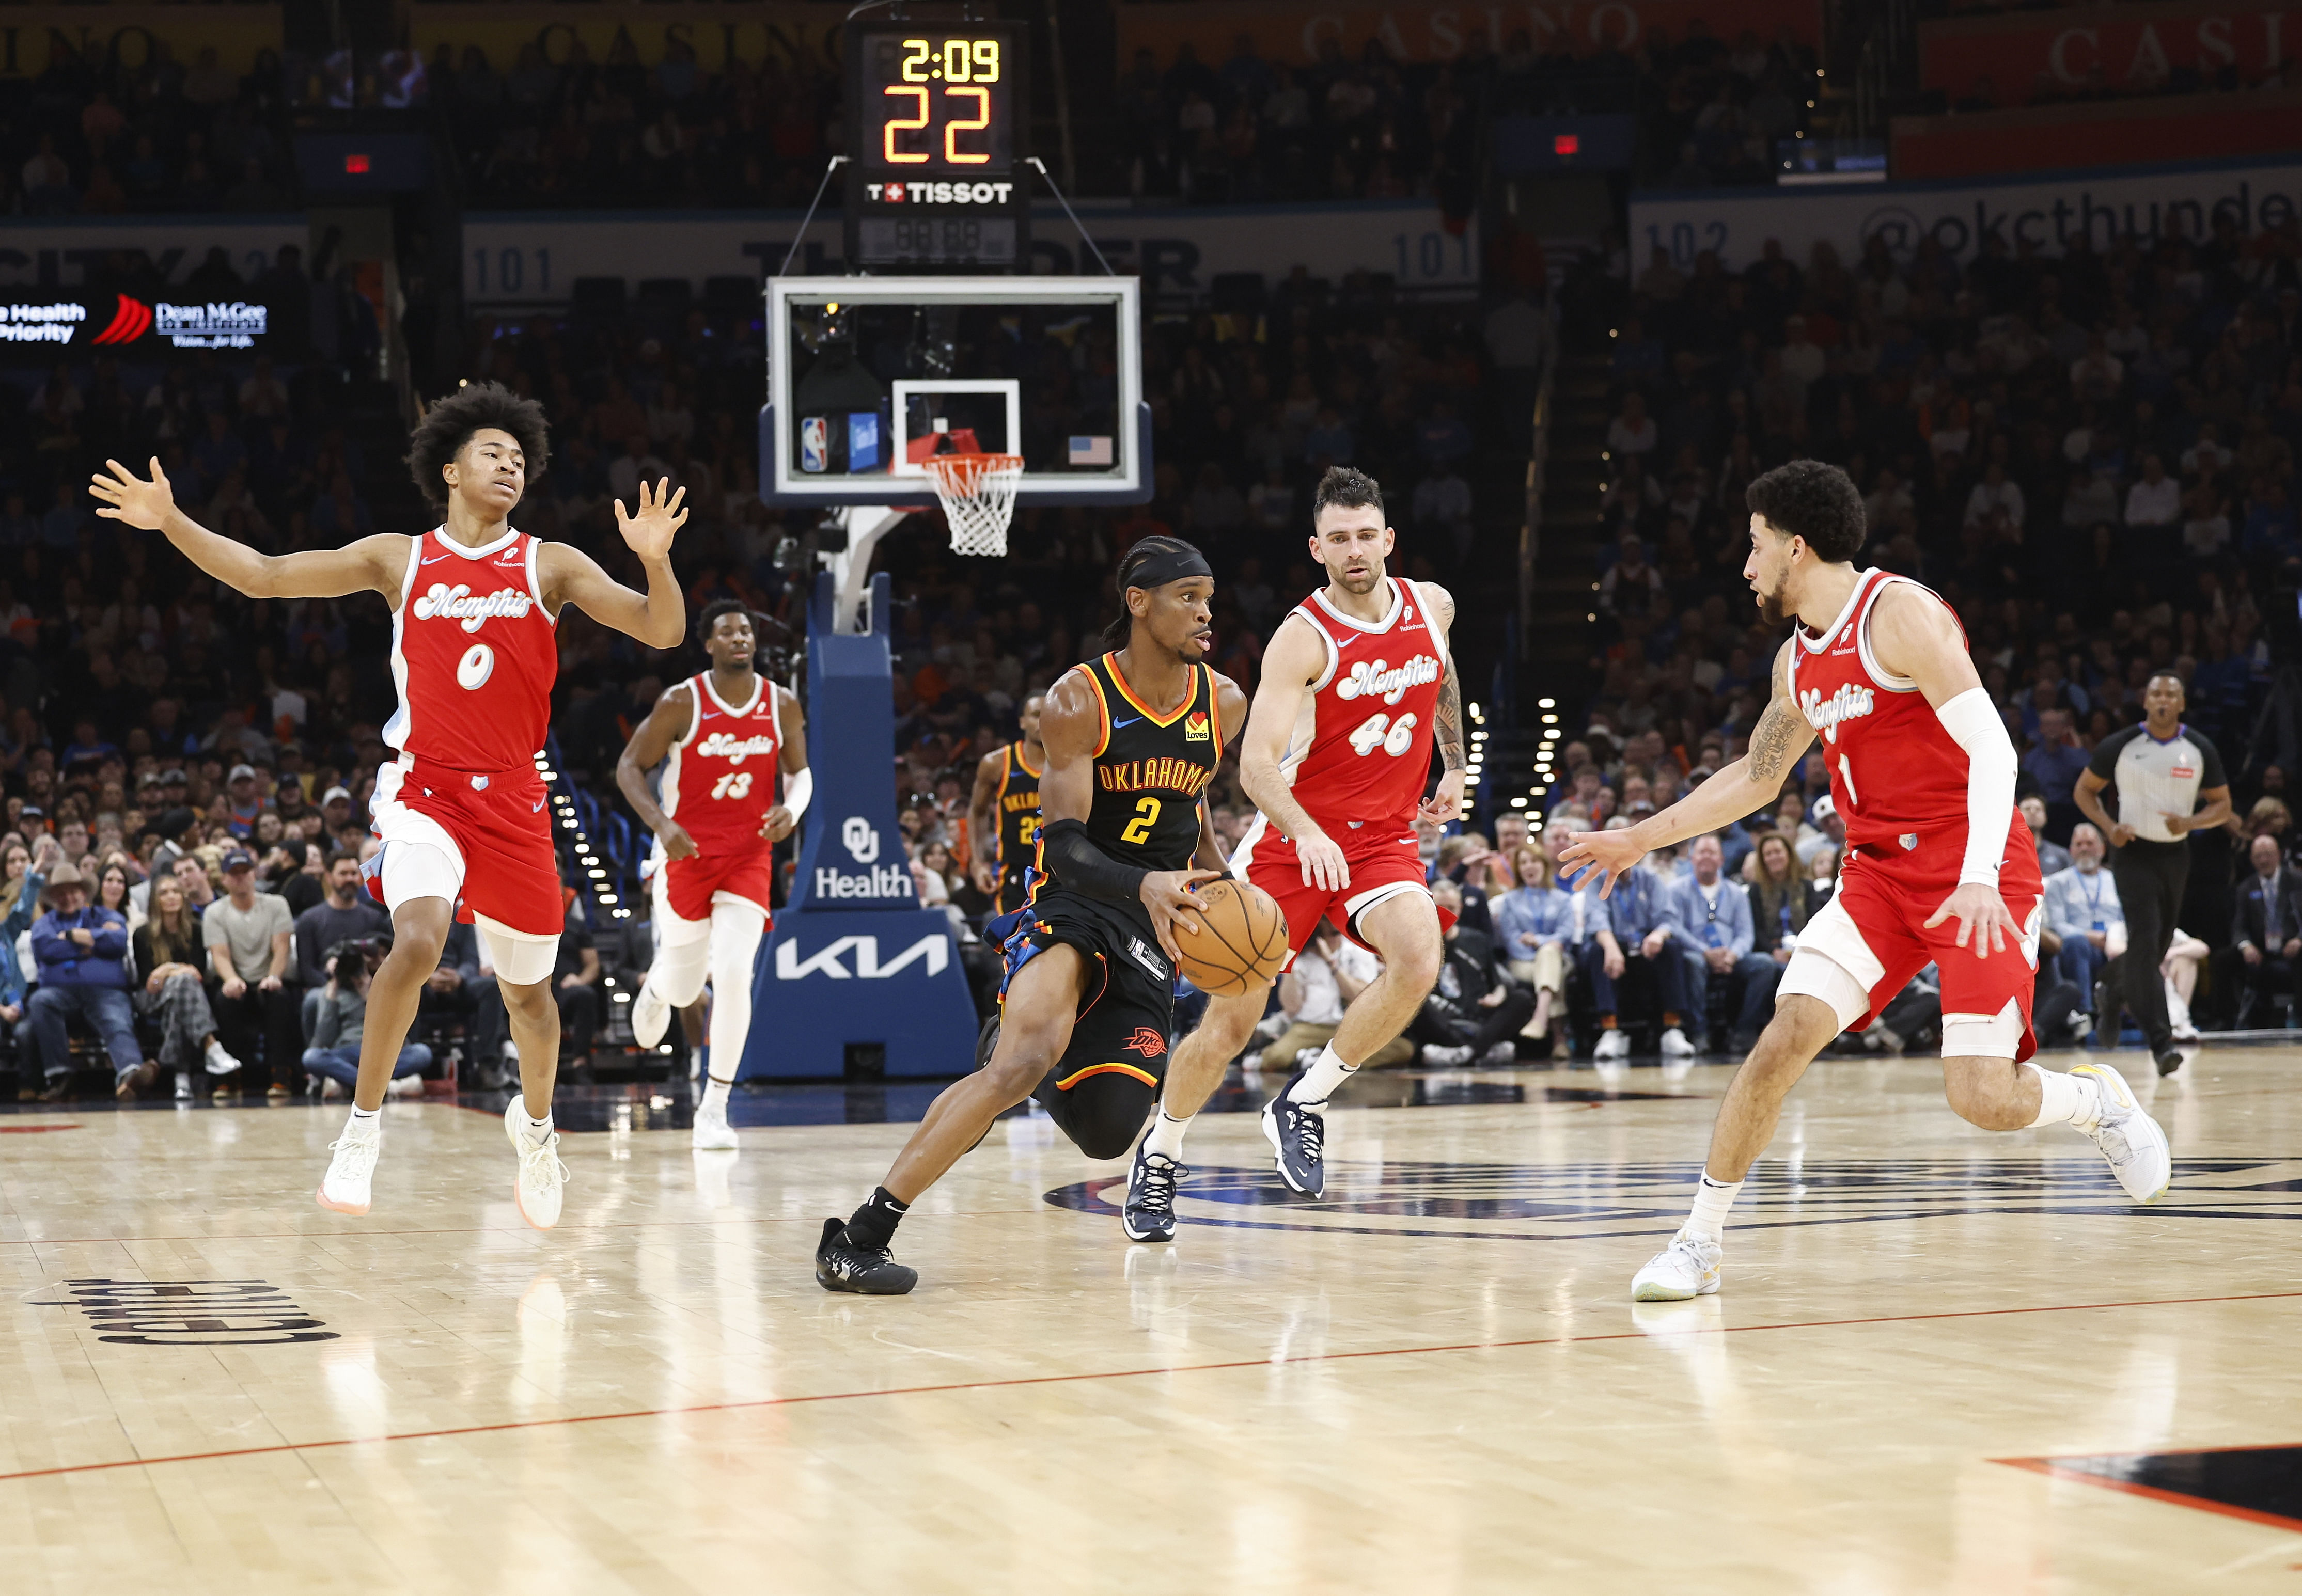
column 1973, row 721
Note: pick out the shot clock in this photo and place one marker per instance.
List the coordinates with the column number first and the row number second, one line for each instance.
column 938, row 120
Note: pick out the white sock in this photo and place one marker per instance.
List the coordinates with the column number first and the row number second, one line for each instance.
column 1712, row 1198
column 535, row 1130
column 2066, row 1099
column 715, row 1096
column 364, row 1117
column 1318, row 1082
column 1166, row 1137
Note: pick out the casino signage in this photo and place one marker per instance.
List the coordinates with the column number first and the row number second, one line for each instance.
column 44, row 325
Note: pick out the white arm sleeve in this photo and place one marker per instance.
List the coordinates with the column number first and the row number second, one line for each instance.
column 1973, row 721
column 799, row 788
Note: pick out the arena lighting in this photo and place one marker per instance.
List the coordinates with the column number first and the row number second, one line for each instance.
column 1551, row 721
column 1561, row 144
column 1518, row 803
column 1592, row 617
column 1546, row 703
column 1474, row 712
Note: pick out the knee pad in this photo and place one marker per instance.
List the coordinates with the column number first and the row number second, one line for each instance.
column 1817, row 975
column 520, row 958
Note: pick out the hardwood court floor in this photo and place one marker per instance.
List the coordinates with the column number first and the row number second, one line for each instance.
column 1433, row 1381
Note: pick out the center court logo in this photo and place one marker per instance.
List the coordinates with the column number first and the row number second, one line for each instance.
column 1573, row 1202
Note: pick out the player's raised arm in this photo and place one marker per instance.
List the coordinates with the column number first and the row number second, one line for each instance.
column 1291, row 664
column 983, row 822
column 1748, row 783
column 1070, row 728
column 657, row 616
column 371, row 564
column 1914, row 634
column 665, row 724
column 791, row 759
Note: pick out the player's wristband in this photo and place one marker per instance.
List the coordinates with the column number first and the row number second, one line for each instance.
column 798, row 791
column 1973, row 721
column 1078, row 863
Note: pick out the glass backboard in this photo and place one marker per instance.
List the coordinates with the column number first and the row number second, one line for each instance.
column 868, row 376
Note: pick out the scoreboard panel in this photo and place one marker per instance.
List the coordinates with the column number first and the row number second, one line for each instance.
column 938, row 120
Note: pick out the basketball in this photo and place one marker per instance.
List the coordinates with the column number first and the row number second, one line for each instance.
column 1243, row 943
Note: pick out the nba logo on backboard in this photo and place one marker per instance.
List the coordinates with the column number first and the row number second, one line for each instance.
column 814, row 453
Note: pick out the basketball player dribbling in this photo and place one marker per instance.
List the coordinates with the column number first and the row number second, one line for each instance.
column 462, row 811
column 1132, row 740
column 1939, row 867
column 1002, row 813
column 721, row 736
column 1357, row 685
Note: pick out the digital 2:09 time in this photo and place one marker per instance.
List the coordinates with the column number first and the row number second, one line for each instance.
column 959, row 61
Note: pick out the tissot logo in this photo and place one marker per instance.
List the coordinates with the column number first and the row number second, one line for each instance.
column 939, row 193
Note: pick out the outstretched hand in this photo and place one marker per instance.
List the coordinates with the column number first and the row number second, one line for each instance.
column 129, row 498
column 648, row 530
column 1982, row 915
column 1611, row 852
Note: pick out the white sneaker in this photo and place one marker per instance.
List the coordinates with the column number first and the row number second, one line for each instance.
column 1433, row 1054
column 219, row 1061
column 1501, row 1053
column 650, row 1016
column 712, row 1133
column 1674, row 1044
column 344, row 1189
column 2186, row 1032
column 1612, row 1045
column 404, row 1086
column 331, row 1089
column 2128, row 1137
column 1688, row 1267
column 536, row 1187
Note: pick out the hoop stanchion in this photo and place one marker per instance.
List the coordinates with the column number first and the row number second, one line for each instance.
column 977, row 493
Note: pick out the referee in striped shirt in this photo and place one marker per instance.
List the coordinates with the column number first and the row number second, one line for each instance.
column 2161, row 769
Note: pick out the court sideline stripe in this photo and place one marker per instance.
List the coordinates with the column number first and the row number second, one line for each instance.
column 1030, row 1380
column 2055, row 1468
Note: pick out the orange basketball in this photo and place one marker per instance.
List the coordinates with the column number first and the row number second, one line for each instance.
column 1242, row 943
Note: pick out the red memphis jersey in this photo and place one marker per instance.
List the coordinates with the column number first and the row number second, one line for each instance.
column 1894, row 772
column 719, row 779
column 474, row 654
column 1360, row 752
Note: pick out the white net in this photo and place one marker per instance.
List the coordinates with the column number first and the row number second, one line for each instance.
column 978, row 491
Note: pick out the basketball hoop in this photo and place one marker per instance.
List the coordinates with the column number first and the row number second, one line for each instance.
column 977, row 493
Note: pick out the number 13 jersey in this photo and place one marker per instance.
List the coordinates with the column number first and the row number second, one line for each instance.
column 719, row 780
column 1359, row 756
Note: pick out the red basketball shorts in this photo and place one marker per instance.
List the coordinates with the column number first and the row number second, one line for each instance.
column 1874, row 931
column 1384, row 863
column 690, row 883
column 494, row 829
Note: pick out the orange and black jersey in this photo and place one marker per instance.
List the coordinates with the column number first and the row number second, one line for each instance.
column 1017, row 807
column 1151, row 768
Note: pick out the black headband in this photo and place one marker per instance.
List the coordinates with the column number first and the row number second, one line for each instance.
column 1170, row 565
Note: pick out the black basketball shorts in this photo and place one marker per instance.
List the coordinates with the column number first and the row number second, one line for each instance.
column 1104, row 1087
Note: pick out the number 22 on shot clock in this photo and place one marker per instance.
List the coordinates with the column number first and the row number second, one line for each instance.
column 944, row 104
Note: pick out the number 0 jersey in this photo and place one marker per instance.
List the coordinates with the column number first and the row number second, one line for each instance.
column 1894, row 772
column 719, row 780
column 1360, row 752
column 1150, row 769
column 474, row 654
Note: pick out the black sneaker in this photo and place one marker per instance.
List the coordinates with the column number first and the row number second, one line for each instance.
column 841, row 1265
column 2170, row 1059
column 1297, row 1135
column 1150, row 1212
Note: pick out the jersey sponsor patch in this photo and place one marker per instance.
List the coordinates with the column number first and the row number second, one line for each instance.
column 1195, row 727
column 2184, row 772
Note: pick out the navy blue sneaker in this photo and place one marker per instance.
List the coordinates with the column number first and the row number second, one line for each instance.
column 1297, row 1135
column 1150, row 1212
column 841, row 1265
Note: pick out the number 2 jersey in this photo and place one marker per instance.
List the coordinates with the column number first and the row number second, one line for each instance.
column 718, row 782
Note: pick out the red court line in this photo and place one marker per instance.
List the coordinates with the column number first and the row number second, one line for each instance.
column 1030, row 1380
column 2054, row 1469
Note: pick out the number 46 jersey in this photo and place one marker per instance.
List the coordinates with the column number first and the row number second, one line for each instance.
column 1359, row 756
column 719, row 783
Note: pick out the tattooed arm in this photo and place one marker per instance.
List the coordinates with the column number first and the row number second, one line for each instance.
column 1751, row 783
column 1446, row 802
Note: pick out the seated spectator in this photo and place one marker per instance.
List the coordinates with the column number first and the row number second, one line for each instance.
column 345, row 913
column 2155, row 499
column 2082, row 907
column 2185, row 956
column 169, row 955
column 1320, row 983
column 2266, row 928
column 24, row 876
column 248, row 936
column 1715, row 938
column 1633, row 933
column 81, row 951
column 341, row 1018
column 1778, row 907
column 2051, row 855
column 1534, row 923
column 191, row 873
column 1477, row 1009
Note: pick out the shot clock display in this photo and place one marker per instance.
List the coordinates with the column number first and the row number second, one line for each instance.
column 938, row 114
